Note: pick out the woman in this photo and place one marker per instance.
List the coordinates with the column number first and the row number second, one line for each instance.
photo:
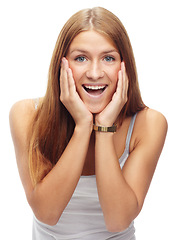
column 88, row 149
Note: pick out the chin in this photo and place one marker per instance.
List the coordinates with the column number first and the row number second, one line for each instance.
column 95, row 110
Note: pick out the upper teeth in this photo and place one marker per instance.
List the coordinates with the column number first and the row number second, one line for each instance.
column 95, row 87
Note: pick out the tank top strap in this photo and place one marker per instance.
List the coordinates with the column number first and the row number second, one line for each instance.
column 130, row 130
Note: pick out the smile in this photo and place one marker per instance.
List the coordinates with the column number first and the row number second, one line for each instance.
column 94, row 90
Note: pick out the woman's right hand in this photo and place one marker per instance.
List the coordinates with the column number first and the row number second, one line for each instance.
column 70, row 98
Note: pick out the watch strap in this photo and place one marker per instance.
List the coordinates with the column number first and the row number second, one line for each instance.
column 105, row 129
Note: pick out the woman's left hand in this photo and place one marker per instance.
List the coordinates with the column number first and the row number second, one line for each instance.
column 109, row 115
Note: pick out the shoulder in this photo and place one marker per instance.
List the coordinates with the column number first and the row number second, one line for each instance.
column 20, row 117
column 151, row 125
column 22, row 107
column 22, row 110
column 149, row 118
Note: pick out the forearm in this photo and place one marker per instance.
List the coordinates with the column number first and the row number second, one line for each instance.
column 53, row 193
column 118, row 201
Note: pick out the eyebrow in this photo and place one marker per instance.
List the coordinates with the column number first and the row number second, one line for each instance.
column 84, row 51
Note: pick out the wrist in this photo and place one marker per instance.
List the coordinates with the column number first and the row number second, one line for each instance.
column 84, row 128
column 99, row 121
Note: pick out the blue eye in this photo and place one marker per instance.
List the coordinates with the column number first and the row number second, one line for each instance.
column 109, row 59
column 80, row 59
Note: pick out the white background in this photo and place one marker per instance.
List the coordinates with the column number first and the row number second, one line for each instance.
column 29, row 30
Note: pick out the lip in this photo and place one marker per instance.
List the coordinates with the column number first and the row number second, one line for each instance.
column 95, row 87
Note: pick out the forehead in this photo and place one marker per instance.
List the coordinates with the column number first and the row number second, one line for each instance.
column 91, row 41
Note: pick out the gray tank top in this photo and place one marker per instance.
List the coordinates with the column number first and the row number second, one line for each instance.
column 83, row 219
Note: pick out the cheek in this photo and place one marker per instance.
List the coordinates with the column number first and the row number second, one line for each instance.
column 114, row 75
column 77, row 73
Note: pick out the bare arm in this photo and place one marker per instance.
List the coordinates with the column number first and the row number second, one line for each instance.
column 49, row 198
column 117, row 199
column 122, row 192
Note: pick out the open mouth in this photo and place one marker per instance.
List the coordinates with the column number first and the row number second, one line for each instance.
column 94, row 90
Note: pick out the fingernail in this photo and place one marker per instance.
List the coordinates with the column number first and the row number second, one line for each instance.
column 63, row 60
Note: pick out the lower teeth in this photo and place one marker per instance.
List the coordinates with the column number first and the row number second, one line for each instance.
column 94, row 92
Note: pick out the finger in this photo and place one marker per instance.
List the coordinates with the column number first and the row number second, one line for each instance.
column 125, row 80
column 71, row 82
column 119, row 89
column 63, row 77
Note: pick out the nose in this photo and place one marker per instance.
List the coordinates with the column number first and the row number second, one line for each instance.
column 94, row 71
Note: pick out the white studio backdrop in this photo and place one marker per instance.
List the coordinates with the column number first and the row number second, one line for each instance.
column 29, row 30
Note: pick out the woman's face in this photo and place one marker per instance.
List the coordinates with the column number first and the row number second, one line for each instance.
column 95, row 63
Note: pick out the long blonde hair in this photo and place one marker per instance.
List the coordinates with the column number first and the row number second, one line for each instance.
column 53, row 126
